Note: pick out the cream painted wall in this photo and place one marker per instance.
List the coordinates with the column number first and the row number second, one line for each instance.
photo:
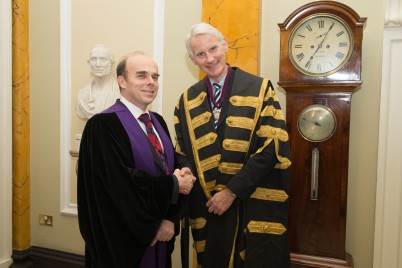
column 178, row 74
column 5, row 134
column 45, row 133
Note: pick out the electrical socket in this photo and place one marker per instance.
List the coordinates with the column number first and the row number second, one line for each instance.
column 45, row 220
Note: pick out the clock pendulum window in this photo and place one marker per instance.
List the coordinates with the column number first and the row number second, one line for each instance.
column 320, row 68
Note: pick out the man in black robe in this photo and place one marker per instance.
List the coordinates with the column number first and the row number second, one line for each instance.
column 231, row 132
column 128, row 195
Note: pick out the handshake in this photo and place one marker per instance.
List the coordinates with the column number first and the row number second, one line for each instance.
column 185, row 179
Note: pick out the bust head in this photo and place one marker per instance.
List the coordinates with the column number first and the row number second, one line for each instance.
column 100, row 61
column 103, row 90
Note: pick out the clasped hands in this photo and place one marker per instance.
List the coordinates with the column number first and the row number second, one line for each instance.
column 185, row 178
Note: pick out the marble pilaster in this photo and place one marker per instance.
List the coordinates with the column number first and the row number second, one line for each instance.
column 239, row 22
column 20, row 126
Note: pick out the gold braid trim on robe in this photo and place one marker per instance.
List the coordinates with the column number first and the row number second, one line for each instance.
column 192, row 124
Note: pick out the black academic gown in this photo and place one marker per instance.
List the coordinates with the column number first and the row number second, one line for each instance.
column 120, row 206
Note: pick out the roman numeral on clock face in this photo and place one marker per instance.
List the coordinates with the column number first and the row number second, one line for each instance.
column 319, row 45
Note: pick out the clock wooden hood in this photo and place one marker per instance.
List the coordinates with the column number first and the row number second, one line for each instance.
column 349, row 75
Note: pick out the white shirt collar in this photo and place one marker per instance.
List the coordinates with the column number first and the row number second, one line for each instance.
column 220, row 82
column 135, row 111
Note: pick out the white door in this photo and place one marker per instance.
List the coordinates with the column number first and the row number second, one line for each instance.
column 388, row 218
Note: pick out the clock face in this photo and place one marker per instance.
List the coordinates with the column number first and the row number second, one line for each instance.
column 320, row 45
column 316, row 123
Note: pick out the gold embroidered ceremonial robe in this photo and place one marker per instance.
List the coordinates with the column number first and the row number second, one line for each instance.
column 248, row 153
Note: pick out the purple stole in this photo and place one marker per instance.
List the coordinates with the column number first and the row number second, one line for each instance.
column 143, row 156
column 154, row 257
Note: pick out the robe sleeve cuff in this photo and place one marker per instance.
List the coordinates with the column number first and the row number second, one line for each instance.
column 175, row 191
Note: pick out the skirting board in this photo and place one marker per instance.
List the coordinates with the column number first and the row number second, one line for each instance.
column 50, row 258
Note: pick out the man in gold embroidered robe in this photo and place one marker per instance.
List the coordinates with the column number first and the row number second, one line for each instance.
column 238, row 208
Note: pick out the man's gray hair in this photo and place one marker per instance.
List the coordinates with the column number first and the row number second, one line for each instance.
column 201, row 29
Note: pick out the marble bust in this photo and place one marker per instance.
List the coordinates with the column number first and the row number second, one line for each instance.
column 103, row 90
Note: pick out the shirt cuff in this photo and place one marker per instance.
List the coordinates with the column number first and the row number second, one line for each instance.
column 230, row 190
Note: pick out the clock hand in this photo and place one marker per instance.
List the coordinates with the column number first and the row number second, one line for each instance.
column 315, row 123
column 326, row 34
column 320, row 44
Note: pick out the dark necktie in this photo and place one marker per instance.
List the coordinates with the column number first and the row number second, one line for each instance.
column 216, row 110
column 218, row 92
column 153, row 139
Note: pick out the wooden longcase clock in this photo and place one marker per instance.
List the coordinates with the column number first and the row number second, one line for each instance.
column 320, row 68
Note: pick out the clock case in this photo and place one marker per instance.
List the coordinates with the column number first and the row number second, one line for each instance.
column 317, row 227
